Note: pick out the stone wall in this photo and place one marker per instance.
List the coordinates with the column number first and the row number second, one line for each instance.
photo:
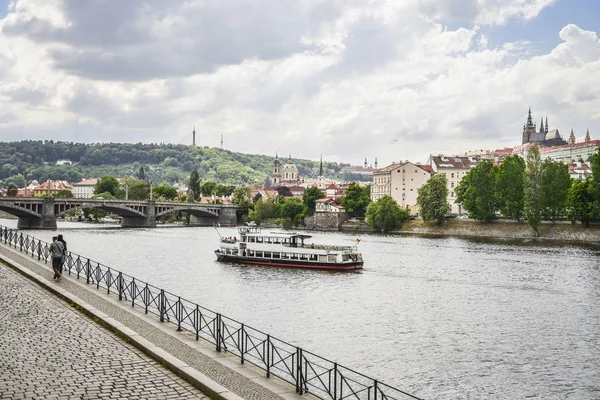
column 325, row 220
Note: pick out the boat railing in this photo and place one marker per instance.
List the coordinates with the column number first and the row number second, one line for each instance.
column 308, row 372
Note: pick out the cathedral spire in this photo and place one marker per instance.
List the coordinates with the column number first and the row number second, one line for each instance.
column 587, row 136
column 194, row 136
column 375, row 162
column 571, row 138
column 546, row 130
column 366, row 162
column 529, row 120
column 542, row 125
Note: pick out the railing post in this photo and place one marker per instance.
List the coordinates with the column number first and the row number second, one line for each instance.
column 179, row 314
column 218, row 331
column 242, row 341
column 88, row 272
column 120, row 285
column 299, row 370
column 268, row 356
column 146, row 298
column 133, row 291
column 375, row 390
column 108, row 276
column 335, row 372
column 21, row 241
column 197, row 322
column 162, row 305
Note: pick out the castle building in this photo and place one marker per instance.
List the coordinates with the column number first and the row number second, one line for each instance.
column 542, row 137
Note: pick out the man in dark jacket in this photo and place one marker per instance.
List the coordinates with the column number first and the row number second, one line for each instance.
column 56, row 251
column 65, row 253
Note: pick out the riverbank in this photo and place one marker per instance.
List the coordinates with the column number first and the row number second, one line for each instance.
column 503, row 229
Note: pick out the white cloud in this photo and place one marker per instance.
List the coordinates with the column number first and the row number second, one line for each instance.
column 349, row 80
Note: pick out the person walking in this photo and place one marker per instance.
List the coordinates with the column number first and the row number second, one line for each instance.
column 65, row 252
column 56, row 251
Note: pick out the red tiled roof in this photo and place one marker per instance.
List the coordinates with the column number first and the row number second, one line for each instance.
column 566, row 146
column 454, row 162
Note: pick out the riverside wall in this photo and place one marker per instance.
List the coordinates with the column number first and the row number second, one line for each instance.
column 505, row 229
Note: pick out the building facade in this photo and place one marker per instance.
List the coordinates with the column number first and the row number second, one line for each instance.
column 454, row 168
column 401, row 181
column 543, row 137
column 84, row 189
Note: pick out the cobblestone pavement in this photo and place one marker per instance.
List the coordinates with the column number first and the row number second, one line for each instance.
column 49, row 350
column 226, row 377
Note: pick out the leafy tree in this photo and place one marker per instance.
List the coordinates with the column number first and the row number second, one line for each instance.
column 555, row 184
column 595, row 185
column 510, row 192
column 284, row 191
column 357, row 199
column 533, row 189
column 194, row 186
column 476, row 191
column 264, row 209
column 433, row 199
column 64, row 194
column 385, row 215
column 107, row 184
column 223, row 190
column 208, row 188
column 138, row 190
column 310, row 196
column 165, row 192
column 293, row 209
column 580, row 201
column 242, row 198
column 12, row 190
column 141, row 174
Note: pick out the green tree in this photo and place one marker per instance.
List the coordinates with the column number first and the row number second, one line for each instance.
column 194, row 186
column 141, row 174
column 242, row 198
column 12, row 190
column 208, row 188
column 107, row 184
column 510, row 191
column 264, row 209
column 310, row 196
column 385, row 215
column 64, row 194
column 138, row 190
column 433, row 199
column 595, row 185
column 164, row 192
column 533, row 189
column 476, row 191
column 293, row 208
column 555, row 184
column 580, row 201
column 357, row 199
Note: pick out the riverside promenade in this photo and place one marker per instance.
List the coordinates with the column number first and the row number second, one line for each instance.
column 70, row 340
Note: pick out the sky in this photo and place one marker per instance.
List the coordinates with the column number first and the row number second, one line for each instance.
column 345, row 79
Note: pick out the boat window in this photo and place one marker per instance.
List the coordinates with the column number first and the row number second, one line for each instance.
column 304, row 256
column 267, row 254
column 285, row 255
column 276, row 255
column 276, row 240
column 259, row 240
column 322, row 257
column 259, row 254
column 294, row 256
column 313, row 257
column 331, row 258
column 344, row 257
column 251, row 253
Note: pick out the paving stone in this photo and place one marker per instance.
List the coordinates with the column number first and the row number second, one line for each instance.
column 48, row 350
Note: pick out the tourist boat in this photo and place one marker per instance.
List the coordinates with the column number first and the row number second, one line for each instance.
column 282, row 249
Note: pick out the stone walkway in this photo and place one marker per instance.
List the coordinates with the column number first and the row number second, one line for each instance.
column 49, row 350
column 221, row 372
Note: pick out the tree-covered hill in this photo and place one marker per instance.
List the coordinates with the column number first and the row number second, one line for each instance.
column 162, row 163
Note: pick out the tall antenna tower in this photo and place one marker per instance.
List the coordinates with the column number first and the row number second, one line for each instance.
column 221, row 142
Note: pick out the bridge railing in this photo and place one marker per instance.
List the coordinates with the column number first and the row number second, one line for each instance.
column 308, row 372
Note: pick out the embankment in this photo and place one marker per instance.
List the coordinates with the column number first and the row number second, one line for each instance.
column 559, row 231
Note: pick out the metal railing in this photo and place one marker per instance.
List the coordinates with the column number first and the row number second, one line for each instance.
column 309, row 372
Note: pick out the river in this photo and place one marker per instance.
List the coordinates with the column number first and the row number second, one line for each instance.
column 437, row 317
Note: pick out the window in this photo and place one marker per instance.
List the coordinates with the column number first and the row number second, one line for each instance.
column 452, row 185
column 452, row 175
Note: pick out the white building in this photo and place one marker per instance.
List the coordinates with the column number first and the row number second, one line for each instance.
column 401, row 181
column 454, row 168
column 84, row 189
column 570, row 153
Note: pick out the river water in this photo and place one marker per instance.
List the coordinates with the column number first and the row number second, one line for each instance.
column 437, row 317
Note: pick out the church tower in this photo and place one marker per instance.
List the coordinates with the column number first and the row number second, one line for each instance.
column 375, row 162
column 276, row 171
column 546, row 130
column 321, row 167
column 528, row 128
column 571, row 138
column 587, row 136
column 194, row 137
column 542, row 125
column 366, row 165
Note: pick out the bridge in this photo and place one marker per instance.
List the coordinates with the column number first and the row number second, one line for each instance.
column 42, row 212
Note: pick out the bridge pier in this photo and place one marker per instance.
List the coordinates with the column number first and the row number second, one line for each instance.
column 140, row 222
column 48, row 220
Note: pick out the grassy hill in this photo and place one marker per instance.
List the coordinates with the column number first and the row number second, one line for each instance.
column 162, row 163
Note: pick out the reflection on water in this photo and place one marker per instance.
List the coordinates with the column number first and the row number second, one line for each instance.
column 439, row 317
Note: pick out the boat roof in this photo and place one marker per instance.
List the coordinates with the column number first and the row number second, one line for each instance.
column 257, row 232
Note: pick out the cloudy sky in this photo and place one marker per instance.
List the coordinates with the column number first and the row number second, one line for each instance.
column 349, row 79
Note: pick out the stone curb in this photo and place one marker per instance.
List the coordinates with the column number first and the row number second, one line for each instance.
column 188, row 373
